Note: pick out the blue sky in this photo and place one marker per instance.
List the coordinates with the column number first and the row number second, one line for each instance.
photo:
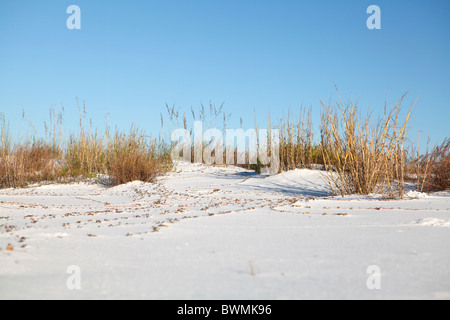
column 132, row 57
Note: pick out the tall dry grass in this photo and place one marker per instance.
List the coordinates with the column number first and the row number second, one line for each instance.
column 30, row 160
column 363, row 155
column 133, row 157
column 297, row 146
column 359, row 153
column 27, row 163
column 87, row 154
column 432, row 170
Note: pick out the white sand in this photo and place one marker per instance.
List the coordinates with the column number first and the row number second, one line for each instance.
column 253, row 237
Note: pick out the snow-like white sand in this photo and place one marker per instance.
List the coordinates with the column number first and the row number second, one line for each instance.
column 221, row 233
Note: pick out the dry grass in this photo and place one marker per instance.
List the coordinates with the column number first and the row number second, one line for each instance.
column 432, row 170
column 362, row 155
column 124, row 158
column 132, row 157
column 297, row 148
column 28, row 163
column 85, row 153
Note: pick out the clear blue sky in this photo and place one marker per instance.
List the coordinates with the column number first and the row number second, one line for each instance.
column 132, row 57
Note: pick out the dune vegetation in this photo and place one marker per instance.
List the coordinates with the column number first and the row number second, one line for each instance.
column 359, row 155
